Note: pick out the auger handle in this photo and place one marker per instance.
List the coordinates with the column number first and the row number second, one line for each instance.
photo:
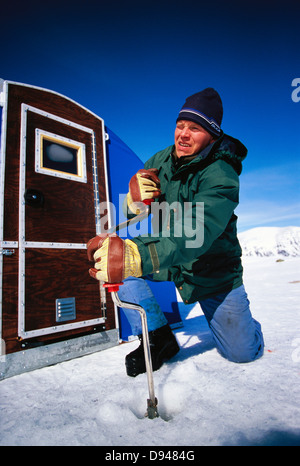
column 148, row 201
column 113, row 288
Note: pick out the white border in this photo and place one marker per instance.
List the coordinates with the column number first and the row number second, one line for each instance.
column 59, row 174
column 22, row 333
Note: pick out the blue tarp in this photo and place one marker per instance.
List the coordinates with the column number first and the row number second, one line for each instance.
column 122, row 164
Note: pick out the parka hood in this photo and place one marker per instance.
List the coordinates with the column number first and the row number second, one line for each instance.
column 232, row 151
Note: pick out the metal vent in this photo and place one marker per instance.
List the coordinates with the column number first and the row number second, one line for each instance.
column 65, row 309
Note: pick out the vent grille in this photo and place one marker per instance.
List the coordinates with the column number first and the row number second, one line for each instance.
column 65, row 309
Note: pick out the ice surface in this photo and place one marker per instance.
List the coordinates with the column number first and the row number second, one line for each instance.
column 202, row 398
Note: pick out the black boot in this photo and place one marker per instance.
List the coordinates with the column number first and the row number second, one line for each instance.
column 163, row 346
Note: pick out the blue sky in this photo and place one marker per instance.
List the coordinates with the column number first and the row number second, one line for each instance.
column 133, row 63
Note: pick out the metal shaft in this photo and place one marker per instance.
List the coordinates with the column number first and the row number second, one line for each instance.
column 152, row 403
column 131, row 221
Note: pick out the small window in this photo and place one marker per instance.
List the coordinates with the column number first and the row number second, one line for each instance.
column 59, row 156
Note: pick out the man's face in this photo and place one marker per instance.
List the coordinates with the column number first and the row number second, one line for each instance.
column 190, row 138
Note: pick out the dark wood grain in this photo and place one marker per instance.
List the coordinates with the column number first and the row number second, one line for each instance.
column 67, row 216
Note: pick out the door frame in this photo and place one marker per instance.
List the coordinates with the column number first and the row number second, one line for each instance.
column 23, row 244
column 18, row 244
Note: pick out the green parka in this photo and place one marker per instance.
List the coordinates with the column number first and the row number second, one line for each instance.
column 212, row 177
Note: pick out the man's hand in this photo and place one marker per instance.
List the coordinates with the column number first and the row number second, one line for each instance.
column 115, row 259
column 144, row 185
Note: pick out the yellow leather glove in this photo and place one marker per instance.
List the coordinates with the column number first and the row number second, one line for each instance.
column 115, row 259
column 144, row 185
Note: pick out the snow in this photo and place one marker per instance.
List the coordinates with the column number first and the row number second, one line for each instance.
column 202, row 398
column 271, row 241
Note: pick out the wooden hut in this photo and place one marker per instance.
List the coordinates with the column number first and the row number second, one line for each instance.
column 53, row 177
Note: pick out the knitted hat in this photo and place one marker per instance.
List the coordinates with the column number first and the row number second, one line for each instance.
column 204, row 108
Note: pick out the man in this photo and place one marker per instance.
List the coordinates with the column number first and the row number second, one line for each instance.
column 203, row 258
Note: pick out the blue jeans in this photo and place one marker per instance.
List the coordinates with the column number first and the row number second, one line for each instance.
column 238, row 337
column 137, row 291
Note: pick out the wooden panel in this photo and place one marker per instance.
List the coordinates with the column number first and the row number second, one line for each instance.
column 45, row 282
column 56, row 105
column 10, row 302
column 50, row 273
column 68, row 213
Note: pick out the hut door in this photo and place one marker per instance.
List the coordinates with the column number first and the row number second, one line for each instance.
column 57, row 216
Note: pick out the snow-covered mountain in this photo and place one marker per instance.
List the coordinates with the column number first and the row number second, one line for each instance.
column 271, row 241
